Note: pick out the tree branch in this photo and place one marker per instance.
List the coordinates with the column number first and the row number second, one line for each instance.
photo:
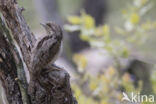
column 8, row 72
column 20, row 79
column 52, row 85
column 21, row 32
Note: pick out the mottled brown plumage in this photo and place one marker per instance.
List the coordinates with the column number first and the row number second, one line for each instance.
column 45, row 51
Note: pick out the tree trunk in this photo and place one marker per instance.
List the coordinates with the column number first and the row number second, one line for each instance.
column 52, row 86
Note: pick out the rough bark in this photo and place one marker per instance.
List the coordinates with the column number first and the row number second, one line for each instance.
column 21, row 32
column 8, row 72
column 52, row 85
column 6, row 43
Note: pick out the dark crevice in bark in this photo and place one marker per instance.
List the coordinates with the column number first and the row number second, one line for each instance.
column 8, row 72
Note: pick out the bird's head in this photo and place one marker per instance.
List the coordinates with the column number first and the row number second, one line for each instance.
column 53, row 29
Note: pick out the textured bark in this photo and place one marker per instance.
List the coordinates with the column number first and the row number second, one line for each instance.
column 16, row 67
column 21, row 32
column 8, row 72
column 52, row 85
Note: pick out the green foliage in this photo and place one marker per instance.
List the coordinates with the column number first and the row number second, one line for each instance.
column 98, row 37
column 135, row 29
column 81, row 61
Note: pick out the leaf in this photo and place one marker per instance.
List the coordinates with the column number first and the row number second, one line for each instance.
column 125, row 52
column 146, row 26
column 93, row 85
column 98, row 31
column 104, row 101
column 77, row 91
column 88, row 21
column 81, row 61
column 134, row 18
column 124, row 12
column 84, row 37
column 144, row 2
column 106, row 29
column 74, row 20
column 111, row 71
column 106, row 32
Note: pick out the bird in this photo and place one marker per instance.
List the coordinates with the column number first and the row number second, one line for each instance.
column 47, row 49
